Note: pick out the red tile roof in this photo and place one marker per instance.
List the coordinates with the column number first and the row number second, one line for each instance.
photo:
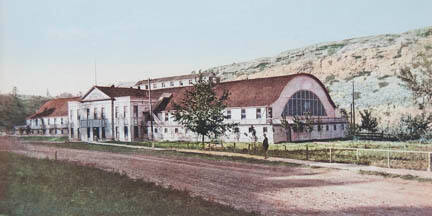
column 53, row 108
column 121, row 92
column 248, row 93
column 118, row 91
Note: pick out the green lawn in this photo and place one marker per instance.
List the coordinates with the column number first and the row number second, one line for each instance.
column 44, row 138
column 42, row 187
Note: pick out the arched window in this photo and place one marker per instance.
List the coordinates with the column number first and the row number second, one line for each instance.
column 302, row 103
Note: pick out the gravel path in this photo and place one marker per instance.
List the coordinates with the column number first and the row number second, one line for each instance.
column 270, row 190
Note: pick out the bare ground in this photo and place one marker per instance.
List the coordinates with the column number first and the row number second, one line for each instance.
column 268, row 189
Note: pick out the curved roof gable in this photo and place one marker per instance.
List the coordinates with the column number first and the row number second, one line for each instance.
column 252, row 92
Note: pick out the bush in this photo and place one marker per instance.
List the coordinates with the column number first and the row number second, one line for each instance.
column 415, row 128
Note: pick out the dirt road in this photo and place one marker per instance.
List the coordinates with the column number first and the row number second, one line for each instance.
column 270, row 190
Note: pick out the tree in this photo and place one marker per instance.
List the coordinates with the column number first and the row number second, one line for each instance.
column 201, row 109
column 418, row 78
column 414, row 127
column 368, row 122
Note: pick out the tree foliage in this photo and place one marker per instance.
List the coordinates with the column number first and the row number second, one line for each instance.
column 368, row 122
column 418, row 78
column 14, row 108
column 202, row 111
column 300, row 123
column 414, row 127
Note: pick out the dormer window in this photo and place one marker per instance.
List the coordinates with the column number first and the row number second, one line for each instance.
column 171, row 83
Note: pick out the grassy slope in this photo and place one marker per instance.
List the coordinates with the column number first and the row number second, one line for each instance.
column 43, row 187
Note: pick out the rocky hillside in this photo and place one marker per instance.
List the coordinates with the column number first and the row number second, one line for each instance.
column 371, row 62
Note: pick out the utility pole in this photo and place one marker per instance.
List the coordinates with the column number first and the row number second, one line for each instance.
column 95, row 72
column 150, row 112
column 353, row 107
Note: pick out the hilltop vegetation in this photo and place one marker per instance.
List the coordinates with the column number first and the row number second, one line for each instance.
column 372, row 62
column 15, row 108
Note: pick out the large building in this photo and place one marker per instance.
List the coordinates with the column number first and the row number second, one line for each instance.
column 51, row 118
column 123, row 114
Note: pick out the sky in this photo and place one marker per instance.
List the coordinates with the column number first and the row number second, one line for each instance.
column 57, row 45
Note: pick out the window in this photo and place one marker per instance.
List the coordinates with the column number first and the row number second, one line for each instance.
column 103, row 133
column 61, row 120
column 163, row 85
column 72, row 132
column 302, row 103
column 136, row 133
column 102, row 113
column 264, row 129
column 171, row 83
column 343, row 126
column 243, row 114
column 126, row 132
column 154, row 85
column 49, row 121
column 155, row 130
column 95, row 113
column 190, row 82
column 146, row 86
column 135, row 110
column 116, row 132
column 334, row 127
column 270, row 112
column 71, row 112
column 116, row 111
column 258, row 113
column 125, row 111
column 176, row 130
column 181, row 83
column 166, row 116
column 78, row 115
column 236, row 130
column 88, row 113
column 55, row 120
column 327, row 127
column 165, row 130
column 228, row 114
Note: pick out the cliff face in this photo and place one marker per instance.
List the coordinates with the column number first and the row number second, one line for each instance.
column 371, row 62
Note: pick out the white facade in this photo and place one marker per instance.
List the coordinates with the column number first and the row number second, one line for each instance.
column 99, row 116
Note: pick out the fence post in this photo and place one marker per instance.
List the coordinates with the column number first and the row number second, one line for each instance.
column 285, row 147
column 307, row 152
column 430, row 162
column 357, row 156
column 330, row 154
column 234, row 147
column 388, row 158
